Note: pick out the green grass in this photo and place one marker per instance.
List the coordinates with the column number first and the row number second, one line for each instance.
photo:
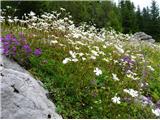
column 75, row 89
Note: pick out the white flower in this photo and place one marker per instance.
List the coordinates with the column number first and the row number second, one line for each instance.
column 43, row 16
column 115, row 61
column 151, row 68
column 76, row 35
column 77, row 48
column 73, row 54
column 65, row 18
column 97, row 71
column 120, row 50
column 116, row 99
column 132, row 73
column 8, row 7
column 54, row 41
column 105, row 59
column 66, row 60
column 132, row 77
column 115, row 77
column 10, row 21
column 62, row 45
column 81, row 54
column 62, row 9
column 104, row 46
column 32, row 13
column 93, row 57
column 133, row 57
column 33, row 24
column 132, row 92
column 144, row 84
column 94, row 53
column 101, row 52
column 156, row 112
column 83, row 58
column 74, row 59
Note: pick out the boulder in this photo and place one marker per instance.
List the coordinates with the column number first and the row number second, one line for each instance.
column 22, row 96
column 141, row 36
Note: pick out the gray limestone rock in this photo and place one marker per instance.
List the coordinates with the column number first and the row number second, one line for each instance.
column 141, row 36
column 22, row 96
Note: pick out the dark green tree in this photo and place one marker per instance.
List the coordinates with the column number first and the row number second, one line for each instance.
column 146, row 20
column 155, row 23
column 139, row 19
column 128, row 16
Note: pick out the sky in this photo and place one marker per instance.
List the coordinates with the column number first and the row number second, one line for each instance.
column 142, row 3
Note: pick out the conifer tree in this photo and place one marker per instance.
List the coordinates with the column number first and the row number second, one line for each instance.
column 155, row 23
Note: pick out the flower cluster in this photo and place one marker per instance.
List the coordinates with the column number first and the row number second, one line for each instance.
column 17, row 48
column 156, row 112
column 132, row 92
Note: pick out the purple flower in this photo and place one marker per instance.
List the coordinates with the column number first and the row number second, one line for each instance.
column 5, row 43
column 6, row 51
column 147, row 99
column 17, row 43
column 8, row 37
column 127, row 59
column 1, row 39
column 37, row 52
column 14, row 48
column 21, row 34
column 27, row 48
column 14, row 39
column 158, row 104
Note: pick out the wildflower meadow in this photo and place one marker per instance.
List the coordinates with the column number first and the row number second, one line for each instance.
column 89, row 72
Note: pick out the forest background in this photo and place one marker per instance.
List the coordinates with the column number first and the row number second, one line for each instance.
column 124, row 17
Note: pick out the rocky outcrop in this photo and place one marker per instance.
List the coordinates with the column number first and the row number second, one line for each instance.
column 141, row 36
column 22, row 96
